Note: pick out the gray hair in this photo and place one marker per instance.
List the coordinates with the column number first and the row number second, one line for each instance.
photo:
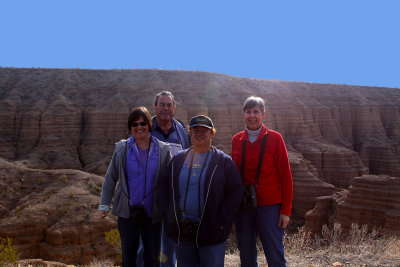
column 167, row 93
column 253, row 101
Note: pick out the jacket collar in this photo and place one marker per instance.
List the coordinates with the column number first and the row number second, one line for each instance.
column 132, row 144
column 263, row 132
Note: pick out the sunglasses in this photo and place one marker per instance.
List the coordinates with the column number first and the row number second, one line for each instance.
column 135, row 124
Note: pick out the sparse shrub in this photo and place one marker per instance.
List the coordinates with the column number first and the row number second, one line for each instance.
column 81, row 206
column 334, row 238
column 357, row 245
column 8, row 253
column 45, row 197
column 64, row 178
column 113, row 238
column 20, row 174
column 87, row 216
column 45, row 210
column 94, row 188
column 40, row 181
column 329, row 237
column 299, row 241
column 72, row 196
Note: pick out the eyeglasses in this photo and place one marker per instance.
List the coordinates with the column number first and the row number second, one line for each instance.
column 135, row 124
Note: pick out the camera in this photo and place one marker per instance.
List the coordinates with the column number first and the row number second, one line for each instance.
column 139, row 215
column 188, row 229
column 249, row 196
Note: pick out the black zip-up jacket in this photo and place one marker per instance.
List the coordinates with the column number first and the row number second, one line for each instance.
column 223, row 192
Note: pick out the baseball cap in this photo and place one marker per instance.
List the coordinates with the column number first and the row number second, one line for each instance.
column 202, row 121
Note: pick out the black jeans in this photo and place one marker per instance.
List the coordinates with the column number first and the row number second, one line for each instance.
column 151, row 237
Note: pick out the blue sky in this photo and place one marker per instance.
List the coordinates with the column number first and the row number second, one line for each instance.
column 352, row 42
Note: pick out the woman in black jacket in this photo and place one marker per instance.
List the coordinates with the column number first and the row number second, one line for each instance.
column 200, row 193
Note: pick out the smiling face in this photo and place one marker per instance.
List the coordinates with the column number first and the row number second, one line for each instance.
column 140, row 128
column 201, row 137
column 254, row 117
column 165, row 108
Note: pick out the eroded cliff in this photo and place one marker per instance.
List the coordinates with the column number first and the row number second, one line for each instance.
column 53, row 119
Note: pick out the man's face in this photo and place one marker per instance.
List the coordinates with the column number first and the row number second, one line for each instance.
column 165, row 108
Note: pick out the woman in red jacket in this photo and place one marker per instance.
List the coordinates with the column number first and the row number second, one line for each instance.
column 262, row 159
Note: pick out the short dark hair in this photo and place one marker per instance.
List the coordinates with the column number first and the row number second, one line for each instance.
column 136, row 114
column 253, row 101
column 167, row 93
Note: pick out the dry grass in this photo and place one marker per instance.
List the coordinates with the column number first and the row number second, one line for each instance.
column 100, row 263
column 333, row 247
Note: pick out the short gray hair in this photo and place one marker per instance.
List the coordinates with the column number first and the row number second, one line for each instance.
column 167, row 93
column 253, row 101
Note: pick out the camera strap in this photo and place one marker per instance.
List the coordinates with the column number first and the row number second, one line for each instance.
column 260, row 157
column 145, row 176
column 126, row 175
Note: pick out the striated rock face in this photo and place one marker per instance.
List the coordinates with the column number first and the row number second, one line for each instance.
column 54, row 118
column 372, row 200
column 334, row 164
column 70, row 119
column 52, row 214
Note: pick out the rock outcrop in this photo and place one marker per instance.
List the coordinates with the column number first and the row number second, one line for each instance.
column 370, row 200
column 52, row 214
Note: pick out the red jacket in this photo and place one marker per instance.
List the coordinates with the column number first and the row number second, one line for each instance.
column 275, row 184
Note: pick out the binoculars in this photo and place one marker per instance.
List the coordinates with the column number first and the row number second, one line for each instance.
column 188, row 229
column 249, row 197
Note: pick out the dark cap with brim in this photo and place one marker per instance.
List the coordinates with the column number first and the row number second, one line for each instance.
column 202, row 121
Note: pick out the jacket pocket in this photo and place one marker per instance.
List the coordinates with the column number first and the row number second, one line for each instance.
column 222, row 231
column 117, row 199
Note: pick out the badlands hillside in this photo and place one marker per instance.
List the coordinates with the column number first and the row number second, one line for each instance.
column 58, row 128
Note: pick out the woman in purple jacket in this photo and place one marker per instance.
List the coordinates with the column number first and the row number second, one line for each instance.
column 132, row 180
column 199, row 194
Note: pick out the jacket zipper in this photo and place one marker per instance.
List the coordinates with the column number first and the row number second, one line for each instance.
column 173, row 200
column 205, row 203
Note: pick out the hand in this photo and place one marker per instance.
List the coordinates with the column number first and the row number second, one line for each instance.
column 283, row 220
column 102, row 214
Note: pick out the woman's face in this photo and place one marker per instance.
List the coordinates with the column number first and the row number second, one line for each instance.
column 140, row 128
column 254, row 117
column 201, row 136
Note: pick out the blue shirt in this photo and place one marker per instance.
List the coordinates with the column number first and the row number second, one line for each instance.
column 171, row 137
column 192, row 198
column 177, row 134
column 141, row 178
